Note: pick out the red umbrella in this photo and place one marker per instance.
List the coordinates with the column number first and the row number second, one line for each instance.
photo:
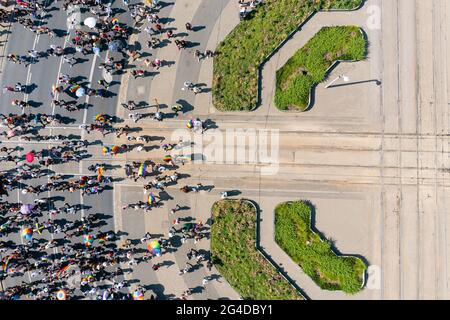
column 30, row 156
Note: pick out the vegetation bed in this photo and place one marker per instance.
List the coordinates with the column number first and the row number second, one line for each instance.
column 233, row 239
column 235, row 79
column 309, row 65
column 315, row 255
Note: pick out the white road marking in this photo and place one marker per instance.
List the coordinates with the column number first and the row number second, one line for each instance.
column 80, row 168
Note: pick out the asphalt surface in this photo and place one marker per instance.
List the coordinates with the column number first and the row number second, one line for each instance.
column 39, row 78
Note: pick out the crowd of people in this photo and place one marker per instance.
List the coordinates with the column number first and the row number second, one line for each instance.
column 77, row 258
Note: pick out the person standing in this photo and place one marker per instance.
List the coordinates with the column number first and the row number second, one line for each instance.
column 205, row 282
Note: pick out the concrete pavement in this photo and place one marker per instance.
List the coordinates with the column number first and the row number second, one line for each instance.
column 385, row 149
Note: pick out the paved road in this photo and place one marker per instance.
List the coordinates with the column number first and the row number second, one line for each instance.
column 41, row 76
column 377, row 171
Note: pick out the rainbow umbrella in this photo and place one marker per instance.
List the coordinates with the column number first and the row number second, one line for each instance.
column 138, row 295
column 151, row 198
column 5, row 266
column 167, row 158
column 74, row 88
column 105, row 150
column 88, row 240
column 190, row 124
column 61, row 295
column 27, row 233
column 142, row 169
column 154, row 247
column 30, row 156
column 89, row 278
column 65, row 268
column 115, row 20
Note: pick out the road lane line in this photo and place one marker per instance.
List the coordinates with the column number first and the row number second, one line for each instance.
column 66, row 40
column 80, row 168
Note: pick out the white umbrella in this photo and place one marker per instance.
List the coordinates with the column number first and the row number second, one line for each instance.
column 80, row 92
column 26, row 208
column 90, row 22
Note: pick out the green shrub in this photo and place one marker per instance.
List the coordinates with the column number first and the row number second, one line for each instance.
column 308, row 66
column 233, row 245
column 245, row 48
column 315, row 255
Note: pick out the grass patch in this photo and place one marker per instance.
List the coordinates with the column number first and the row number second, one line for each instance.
column 308, row 66
column 314, row 255
column 235, row 74
column 235, row 255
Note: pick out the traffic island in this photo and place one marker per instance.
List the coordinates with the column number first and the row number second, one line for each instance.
column 310, row 65
column 253, row 41
column 315, row 255
column 236, row 257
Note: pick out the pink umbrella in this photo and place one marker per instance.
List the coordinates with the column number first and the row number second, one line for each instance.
column 11, row 133
column 30, row 156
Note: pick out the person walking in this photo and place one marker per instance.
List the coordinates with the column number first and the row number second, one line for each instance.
column 103, row 83
column 205, row 282
column 70, row 60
